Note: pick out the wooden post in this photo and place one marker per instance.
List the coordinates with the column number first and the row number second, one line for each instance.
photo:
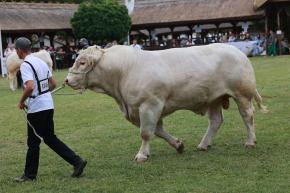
column 1, row 55
column 51, row 39
column 278, row 19
column 218, row 31
column 150, row 37
column 190, row 31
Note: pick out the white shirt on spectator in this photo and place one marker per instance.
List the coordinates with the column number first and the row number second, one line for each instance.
column 137, row 46
column 41, row 102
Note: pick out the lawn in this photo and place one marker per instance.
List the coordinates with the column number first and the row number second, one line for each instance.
column 92, row 125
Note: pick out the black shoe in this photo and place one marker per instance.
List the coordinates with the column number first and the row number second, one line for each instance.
column 79, row 168
column 24, row 178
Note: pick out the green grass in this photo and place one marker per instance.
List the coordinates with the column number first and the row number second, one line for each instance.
column 92, row 125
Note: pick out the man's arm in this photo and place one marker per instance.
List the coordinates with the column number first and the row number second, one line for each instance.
column 52, row 84
column 29, row 86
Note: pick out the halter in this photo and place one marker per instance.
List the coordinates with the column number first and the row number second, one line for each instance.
column 82, row 73
column 75, row 72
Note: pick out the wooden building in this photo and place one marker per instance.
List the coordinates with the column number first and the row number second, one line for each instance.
column 151, row 17
column 155, row 16
column 41, row 19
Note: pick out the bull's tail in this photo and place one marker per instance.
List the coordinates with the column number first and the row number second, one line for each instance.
column 258, row 100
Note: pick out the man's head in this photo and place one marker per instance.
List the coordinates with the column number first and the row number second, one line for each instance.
column 22, row 46
column 135, row 41
column 83, row 43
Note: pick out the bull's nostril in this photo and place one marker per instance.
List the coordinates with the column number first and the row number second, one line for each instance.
column 66, row 81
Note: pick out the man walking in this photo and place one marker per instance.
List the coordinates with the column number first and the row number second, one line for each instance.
column 38, row 83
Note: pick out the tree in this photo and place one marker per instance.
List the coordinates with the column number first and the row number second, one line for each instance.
column 101, row 21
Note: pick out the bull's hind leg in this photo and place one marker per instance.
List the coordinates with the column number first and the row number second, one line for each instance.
column 246, row 110
column 215, row 118
column 174, row 142
column 149, row 116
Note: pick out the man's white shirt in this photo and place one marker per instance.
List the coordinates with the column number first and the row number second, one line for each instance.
column 41, row 102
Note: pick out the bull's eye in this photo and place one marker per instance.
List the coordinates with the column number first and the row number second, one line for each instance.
column 82, row 63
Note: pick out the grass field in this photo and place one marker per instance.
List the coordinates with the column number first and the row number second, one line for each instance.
column 92, row 125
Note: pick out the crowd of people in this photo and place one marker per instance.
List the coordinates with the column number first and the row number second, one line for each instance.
column 271, row 44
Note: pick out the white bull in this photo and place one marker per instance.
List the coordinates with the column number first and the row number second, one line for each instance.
column 148, row 85
column 13, row 63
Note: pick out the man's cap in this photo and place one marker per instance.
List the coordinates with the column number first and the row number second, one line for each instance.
column 83, row 41
column 23, row 43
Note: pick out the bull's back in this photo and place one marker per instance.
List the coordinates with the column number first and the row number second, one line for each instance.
column 214, row 64
column 197, row 76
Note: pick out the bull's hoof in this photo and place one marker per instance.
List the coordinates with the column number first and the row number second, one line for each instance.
column 140, row 158
column 179, row 146
column 202, row 148
column 250, row 145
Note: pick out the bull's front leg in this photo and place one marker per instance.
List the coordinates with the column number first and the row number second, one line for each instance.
column 149, row 114
column 174, row 142
column 13, row 83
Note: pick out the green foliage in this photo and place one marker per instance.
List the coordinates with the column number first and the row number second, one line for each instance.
column 101, row 21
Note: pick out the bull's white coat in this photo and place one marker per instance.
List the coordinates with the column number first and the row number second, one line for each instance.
column 148, row 85
column 13, row 63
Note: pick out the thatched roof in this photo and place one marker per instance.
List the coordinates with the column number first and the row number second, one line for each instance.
column 35, row 16
column 259, row 3
column 173, row 12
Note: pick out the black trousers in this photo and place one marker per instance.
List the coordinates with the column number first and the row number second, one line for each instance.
column 43, row 124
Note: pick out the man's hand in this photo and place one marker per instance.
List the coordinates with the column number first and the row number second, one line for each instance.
column 29, row 85
column 52, row 83
column 22, row 105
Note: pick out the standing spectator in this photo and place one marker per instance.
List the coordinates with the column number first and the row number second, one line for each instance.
column 51, row 51
column 189, row 42
column 71, row 54
column 114, row 43
column 248, row 37
column 83, row 43
column 174, row 43
column 108, row 45
column 280, row 37
column 183, row 42
column 10, row 48
column 59, row 58
column 232, row 37
column 224, row 38
column 272, row 40
column 136, row 45
column 242, row 36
